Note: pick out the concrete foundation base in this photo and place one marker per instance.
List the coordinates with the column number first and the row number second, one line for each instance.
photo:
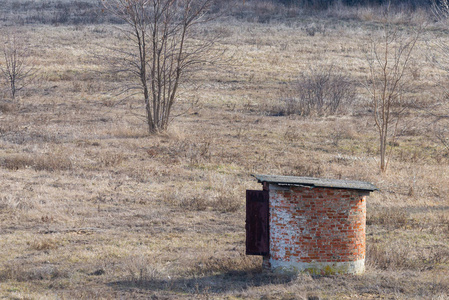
column 319, row 268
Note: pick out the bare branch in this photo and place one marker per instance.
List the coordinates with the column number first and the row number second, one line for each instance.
column 15, row 67
column 164, row 50
column 388, row 59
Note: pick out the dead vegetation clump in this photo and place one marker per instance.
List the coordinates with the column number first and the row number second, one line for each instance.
column 400, row 255
column 388, row 217
column 43, row 244
column 44, row 162
column 16, row 162
column 16, row 203
column 197, row 201
column 7, row 107
column 227, row 203
column 320, row 91
column 323, row 91
column 141, row 269
column 109, row 159
column 51, row 163
column 17, row 272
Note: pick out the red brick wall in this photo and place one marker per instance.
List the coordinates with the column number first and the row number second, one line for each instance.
column 317, row 225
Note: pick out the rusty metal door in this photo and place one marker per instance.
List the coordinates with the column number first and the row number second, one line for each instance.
column 257, row 237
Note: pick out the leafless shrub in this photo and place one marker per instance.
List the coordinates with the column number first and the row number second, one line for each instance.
column 322, row 91
column 141, row 269
column 15, row 66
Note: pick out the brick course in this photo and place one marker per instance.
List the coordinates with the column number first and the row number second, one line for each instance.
column 316, row 226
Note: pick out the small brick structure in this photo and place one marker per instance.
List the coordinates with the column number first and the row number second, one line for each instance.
column 308, row 224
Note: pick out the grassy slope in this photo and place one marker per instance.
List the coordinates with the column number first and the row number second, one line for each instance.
column 92, row 207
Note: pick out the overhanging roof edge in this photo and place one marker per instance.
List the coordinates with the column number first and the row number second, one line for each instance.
column 316, row 182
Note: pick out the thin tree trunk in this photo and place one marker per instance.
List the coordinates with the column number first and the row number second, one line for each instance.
column 383, row 142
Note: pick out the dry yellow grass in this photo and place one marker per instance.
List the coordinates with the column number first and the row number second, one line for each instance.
column 93, row 207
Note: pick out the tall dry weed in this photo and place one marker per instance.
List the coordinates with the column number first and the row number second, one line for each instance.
column 16, row 271
column 40, row 162
column 16, row 203
column 51, row 162
column 405, row 255
column 186, row 199
column 389, row 217
column 109, row 159
column 43, row 244
column 141, row 269
column 16, row 162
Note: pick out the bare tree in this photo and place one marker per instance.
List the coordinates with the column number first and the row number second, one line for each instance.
column 15, row 66
column 388, row 59
column 165, row 49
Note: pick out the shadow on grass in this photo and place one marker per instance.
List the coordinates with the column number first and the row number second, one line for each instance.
column 217, row 283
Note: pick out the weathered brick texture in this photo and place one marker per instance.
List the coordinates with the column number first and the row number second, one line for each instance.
column 316, row 225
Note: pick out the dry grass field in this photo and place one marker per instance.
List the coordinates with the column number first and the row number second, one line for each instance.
column 92, row 207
